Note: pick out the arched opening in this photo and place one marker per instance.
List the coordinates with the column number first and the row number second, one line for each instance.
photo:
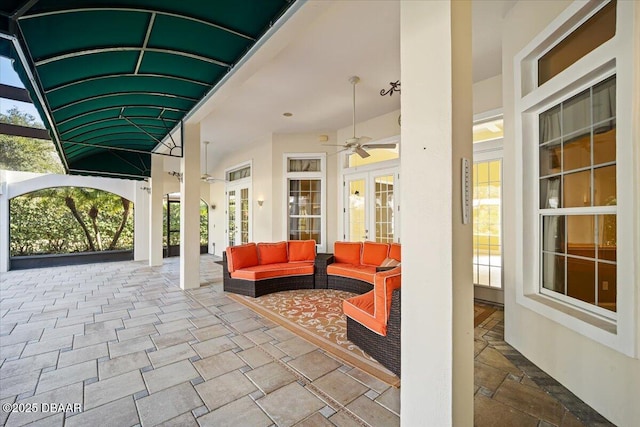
column 171, row 225
column 69, row 225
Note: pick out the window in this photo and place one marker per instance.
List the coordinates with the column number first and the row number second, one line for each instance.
column 237, row 174
column 305, row 197
column 488, row 130
column 487, row 223
column 595, row 31
column 381, row 150
column 577, row 172
column 576, row 216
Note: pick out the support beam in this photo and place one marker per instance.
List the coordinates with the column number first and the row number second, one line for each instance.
column 190, row 208
column 4, row 223
column 140, row 221
column 436, row 134
column 155, row 211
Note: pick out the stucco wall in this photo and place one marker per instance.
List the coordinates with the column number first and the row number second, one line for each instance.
column 604, row 378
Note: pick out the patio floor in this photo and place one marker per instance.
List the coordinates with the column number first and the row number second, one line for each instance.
column 120, row 344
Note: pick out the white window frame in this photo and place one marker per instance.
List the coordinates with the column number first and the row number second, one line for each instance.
column 237, row 185
column 322, row 176
column 615, row 56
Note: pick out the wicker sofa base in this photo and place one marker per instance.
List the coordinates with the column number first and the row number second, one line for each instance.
column 385, row 349
column 256, row 288
column 267, row 286
column 348, row 284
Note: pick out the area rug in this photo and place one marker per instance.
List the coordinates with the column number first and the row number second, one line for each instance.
column 316, row 315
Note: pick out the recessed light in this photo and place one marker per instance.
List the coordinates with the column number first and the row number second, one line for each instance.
column 287, row 114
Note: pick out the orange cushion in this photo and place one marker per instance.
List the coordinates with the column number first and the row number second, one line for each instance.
column 259, row 272
column 374, row 253
column 385, row 283
column 365, row 273
column 360, row 308
column 302, row 250
column 394, row 251
column 271, row 253
column 347, row 252
column 241, row 256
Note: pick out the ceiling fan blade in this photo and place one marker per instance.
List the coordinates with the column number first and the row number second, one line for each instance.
column 362, row 153
column 339, row 151
column 371, row 146
column 333, row 145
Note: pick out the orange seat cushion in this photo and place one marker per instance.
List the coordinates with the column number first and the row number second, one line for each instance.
column 269, row 271
column 302, row 250
column 241, row 256
column 394, row 251
column 272, row 253
column 347, row 252
column 361, row 308
column 374, row 253
column 365, row 273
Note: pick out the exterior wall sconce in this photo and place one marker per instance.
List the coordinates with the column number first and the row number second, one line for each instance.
column 260, row 202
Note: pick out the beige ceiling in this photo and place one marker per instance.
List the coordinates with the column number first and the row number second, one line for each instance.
column 304, row 69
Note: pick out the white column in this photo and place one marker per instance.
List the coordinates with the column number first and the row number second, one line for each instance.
column 4, row 223
column 437, row 296
column 140, row 221
column 155, row 211
column 190, row 208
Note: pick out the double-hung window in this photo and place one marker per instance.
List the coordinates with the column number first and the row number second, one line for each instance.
column 305, row 176
column 575, row 164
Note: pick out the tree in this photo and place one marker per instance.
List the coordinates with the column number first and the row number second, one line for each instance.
column 67, row 219
column 18, row 153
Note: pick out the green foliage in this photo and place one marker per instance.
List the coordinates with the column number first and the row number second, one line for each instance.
column 19, row 153
column 174, row 221
column 43, row 222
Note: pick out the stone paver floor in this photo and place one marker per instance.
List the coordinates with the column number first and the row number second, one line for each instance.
column 120, row 344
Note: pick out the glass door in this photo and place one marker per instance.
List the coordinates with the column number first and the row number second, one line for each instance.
column 487, row 228
column 385, row 207
column 238, row 215
column 356, row 203
column 371, row 206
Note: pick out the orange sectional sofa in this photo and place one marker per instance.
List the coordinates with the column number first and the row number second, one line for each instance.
column 355, row 264
column 373, row 319
column 258, row 269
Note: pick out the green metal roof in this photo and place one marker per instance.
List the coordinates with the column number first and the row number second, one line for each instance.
column 115, row 77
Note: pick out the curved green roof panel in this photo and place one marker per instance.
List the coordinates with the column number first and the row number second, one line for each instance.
column 115, row 78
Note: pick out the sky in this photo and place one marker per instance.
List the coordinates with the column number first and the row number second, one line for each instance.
column 9, row 77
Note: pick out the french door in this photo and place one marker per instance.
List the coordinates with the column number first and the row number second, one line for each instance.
column 238, row 214
column 371, row 206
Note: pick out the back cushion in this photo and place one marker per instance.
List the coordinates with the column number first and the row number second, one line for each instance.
column 347, row 252
column 272, row 253
column 385, row 283
column 394, row 251
column 302, row 250
column 374, row 253
column 242, row 256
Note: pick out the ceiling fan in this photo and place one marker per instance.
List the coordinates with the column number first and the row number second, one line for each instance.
column 355, row 144
column 205, row 176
